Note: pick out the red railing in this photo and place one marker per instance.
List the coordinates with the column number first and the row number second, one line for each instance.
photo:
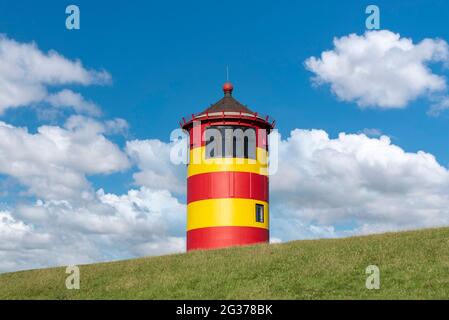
column 228, row 114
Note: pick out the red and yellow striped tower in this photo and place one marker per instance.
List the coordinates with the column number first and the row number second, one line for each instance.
column 227, row 176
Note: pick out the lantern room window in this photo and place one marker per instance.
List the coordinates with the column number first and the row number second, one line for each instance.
column 230, row 142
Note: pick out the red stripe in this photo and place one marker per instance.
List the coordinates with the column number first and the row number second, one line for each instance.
column 227, row 184
column 221, row 237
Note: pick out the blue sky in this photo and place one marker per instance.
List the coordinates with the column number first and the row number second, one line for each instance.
column 168, row 60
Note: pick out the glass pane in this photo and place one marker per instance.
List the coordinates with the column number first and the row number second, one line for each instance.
column 230, row 142
column 259, row 213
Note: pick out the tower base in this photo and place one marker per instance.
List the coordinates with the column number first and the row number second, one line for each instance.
column 222, row 237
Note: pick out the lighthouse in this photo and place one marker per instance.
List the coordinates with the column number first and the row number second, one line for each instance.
column 227, row 175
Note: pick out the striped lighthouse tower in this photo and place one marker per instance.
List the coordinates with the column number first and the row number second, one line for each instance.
column 227, row 175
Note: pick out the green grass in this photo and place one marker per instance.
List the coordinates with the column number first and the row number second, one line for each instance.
column 413, row 265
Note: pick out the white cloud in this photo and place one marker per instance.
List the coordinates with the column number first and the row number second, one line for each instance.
column 16, row 236
column 325, row 187
column 67, row 98
column 156, row 170
column 116, row 126
column 107, row 227
column 26, row 73
column 380, row 69
column 438, row 107
column 54, row 161
column 69, row 223
column 353, row 180
column 372, row 132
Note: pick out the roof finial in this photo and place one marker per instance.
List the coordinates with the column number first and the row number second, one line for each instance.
column 227, row 87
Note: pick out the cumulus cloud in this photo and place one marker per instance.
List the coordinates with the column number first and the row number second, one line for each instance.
column 68, row 99
column 380, row 69
column 63, row 220
column 16, row 236
column 69, row 223
column 324, row 187
column 372, row 132
column 54, row 161
column 356, row 183
column 116, row 126
column 107, row 227
column 156, row 170
column 26, row 74
column 438, row 107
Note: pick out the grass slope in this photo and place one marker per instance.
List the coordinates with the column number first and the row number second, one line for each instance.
column 413, row 264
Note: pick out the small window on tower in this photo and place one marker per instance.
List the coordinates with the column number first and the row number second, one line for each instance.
column 259, row 212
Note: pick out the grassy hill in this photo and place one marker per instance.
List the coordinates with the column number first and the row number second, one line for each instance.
column 412, row 264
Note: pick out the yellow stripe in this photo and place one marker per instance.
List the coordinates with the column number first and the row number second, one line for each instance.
column 198, row 164
column 225, row 212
